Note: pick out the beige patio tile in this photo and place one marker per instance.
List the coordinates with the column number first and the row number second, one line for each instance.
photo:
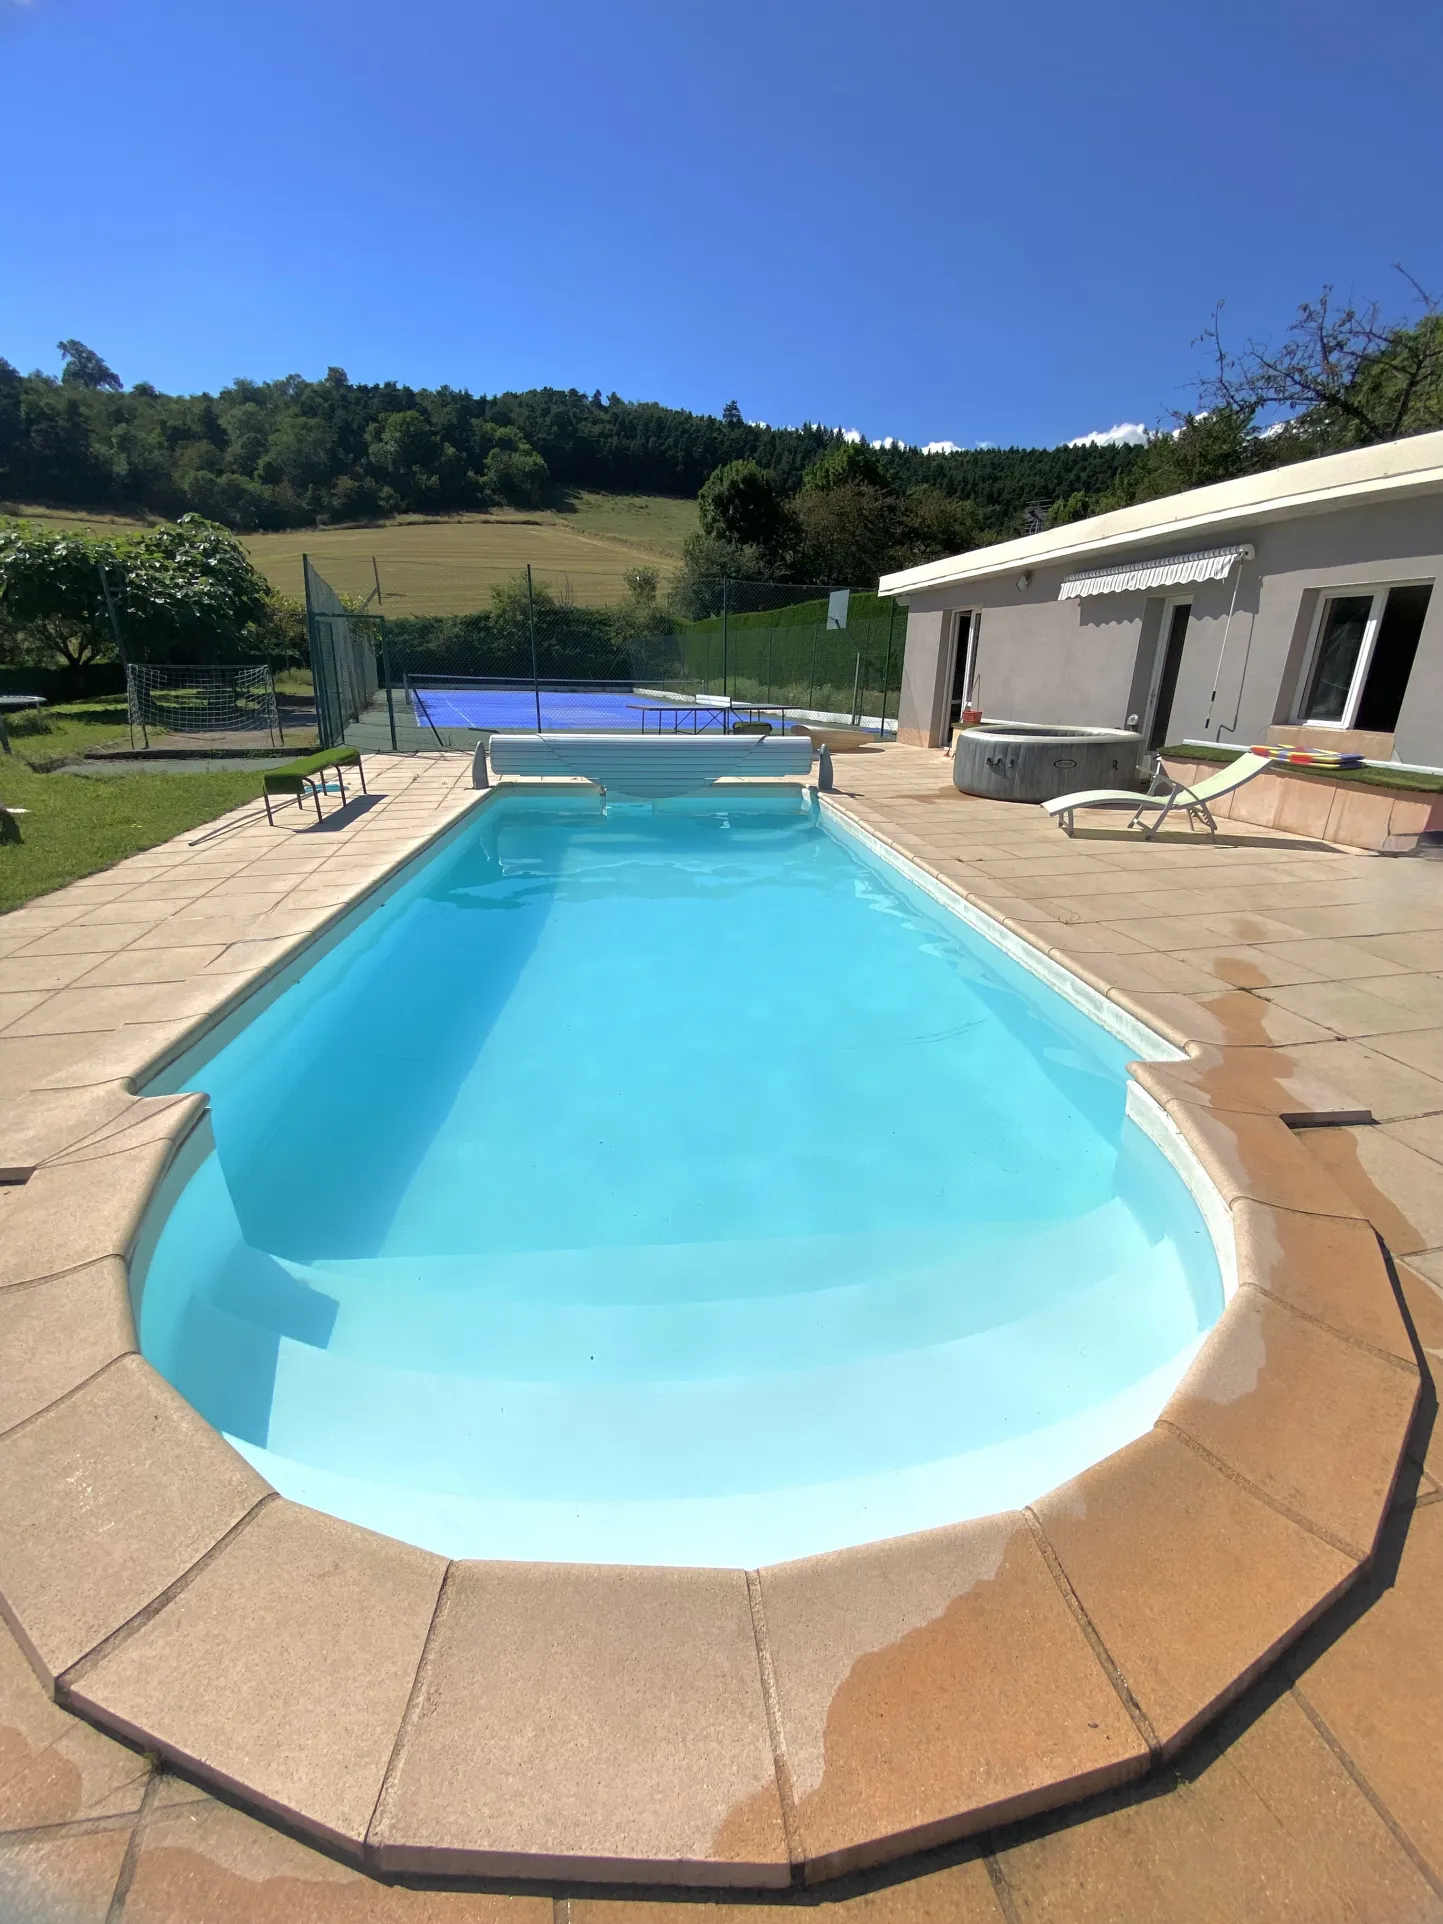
column 1317, row 1424
column 85, row 1009
column 201, row 1862
column 62, row 1879
column 1085, row 938
column 105, row 1500
column 1327, row 1267
column 54, row 1334
column 1332, row 960
column 1411, row 952
column 137, row 966
column 16, row 1004
column 81, row 939
column 77, row 1212
column 1423, row 994
column 1159, row 973
column 255, row 958
column 932, row 1686
column 144, row 1122
column 36, row 1124
column 126, row 912
column 1372, row 917
column 317, row 1628
column 1420, row 1048
column 1262, row 1822
column 1371, row 1080
column 1397, row 1187
column 1349, row 1009
column 1423, row 1133
column 24, row 974
column 588, row 1721
column 1379, row 1688
column 1159, row 1545
column 75, row 1061
column 54, row 1768
column 1243, row 967
column 1229, row 1018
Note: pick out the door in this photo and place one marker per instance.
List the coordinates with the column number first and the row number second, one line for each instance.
column 1171, row 640
column 964, row 654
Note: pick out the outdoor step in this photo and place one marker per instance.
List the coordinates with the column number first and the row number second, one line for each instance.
column 699, row 1310
column 753, row 1528
column 497, row 1437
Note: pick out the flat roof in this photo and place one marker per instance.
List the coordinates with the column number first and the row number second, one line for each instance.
column 1411, row 466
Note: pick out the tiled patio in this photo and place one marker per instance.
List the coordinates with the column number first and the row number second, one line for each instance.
column 1306, row 980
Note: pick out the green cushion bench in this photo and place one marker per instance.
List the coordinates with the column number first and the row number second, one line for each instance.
column 306, row 775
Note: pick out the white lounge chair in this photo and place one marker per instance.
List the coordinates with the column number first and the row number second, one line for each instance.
column 1193, row 801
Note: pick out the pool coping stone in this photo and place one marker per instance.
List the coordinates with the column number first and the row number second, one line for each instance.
column 727, row 1728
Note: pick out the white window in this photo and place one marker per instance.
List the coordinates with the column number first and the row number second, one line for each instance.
column 1361, row 653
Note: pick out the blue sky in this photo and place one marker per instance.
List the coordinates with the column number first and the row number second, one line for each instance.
column 959, row 222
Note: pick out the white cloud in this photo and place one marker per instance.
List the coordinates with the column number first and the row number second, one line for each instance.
column 758, row 424
column 1127, row 434
column 942, row 447
column 854, row 435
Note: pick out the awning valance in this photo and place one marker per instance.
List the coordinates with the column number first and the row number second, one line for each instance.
column 1164, row 571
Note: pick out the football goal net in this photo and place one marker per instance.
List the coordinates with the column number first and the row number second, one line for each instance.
column 176, row 698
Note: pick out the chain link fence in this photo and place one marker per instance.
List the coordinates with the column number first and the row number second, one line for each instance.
column 781, row 652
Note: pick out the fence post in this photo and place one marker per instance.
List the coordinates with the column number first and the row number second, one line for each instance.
column 857, row 691
column 115, row 636
column 726, row 586
column 531, row 624
column 887, row 671
column 386, row 671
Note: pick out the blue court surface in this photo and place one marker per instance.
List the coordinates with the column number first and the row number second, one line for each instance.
column 605, row 709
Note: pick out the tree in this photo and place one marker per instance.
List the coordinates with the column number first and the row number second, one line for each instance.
column 519, row 479
column 846, row 464
column 739, row 505
column 51, row 603
column 84, row 368
column 851, row 532
column 183, row 592
column 1343, row 375
column 732, row 414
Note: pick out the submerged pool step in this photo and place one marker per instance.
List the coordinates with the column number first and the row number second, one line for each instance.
column 747, row 1529
column 690, row 1311
column 488, row 1436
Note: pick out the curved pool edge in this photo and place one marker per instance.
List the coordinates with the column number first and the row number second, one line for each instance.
column 716, row 1722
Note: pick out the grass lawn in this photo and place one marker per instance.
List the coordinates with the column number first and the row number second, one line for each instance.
column 78, row 824
column 448, row 565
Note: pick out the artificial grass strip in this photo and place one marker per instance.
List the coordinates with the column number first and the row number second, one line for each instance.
column 1427, row 784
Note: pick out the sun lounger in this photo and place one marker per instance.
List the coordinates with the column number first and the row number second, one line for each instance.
column 1194, row 801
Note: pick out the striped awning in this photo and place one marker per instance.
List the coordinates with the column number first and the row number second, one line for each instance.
column 1163, row 571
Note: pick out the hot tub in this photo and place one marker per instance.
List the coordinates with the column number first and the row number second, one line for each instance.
column 1038, row 761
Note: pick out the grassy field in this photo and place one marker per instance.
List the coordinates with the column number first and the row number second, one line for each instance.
column 450, row 565
column 77, row 824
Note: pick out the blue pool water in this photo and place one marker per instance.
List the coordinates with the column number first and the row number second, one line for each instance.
column 674, row 1185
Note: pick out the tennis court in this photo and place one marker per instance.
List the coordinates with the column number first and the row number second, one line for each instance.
column 607, row 706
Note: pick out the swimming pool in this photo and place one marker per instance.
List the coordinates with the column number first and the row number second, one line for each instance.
column 678, row 1184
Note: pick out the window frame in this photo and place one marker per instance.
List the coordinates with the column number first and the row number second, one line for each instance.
column 1379, row 593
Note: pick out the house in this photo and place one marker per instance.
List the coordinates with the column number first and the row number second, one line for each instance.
column 1297, row 605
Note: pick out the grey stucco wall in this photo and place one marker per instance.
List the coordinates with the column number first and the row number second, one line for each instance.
column 1090, row 661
